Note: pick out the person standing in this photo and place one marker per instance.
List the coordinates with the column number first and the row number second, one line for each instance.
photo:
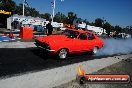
column 49, row 28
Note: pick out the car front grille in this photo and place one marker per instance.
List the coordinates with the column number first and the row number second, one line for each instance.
column 42, row 44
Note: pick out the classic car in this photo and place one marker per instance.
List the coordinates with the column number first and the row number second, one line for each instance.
column 70, row 41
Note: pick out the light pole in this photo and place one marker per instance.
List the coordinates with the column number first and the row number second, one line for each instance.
column 23, row 7
column 53, row 10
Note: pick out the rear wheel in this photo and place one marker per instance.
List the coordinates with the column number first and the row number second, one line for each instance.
column 62, row 54
column 95, row 50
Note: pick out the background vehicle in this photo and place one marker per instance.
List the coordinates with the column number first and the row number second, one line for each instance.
column 70, row 41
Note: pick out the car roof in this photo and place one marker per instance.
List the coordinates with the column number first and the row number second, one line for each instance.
column 81, row 31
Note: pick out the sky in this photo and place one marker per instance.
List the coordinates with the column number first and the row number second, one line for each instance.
column 116, row 12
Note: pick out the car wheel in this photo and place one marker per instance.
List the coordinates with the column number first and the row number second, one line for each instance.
column 95, row 50
column 62, row 54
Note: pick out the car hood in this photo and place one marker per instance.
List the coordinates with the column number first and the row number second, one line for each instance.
column 53, row 38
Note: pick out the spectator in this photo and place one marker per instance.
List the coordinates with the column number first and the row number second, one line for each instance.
column 49, row 28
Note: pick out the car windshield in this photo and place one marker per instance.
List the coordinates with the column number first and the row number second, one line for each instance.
column 70, row 33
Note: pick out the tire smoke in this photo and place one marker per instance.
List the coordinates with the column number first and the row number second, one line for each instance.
column 116, row 46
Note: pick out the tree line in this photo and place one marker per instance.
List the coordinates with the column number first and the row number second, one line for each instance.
column 10, row 5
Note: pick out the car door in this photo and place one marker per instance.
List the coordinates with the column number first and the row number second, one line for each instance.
column 81, row 42
column 73, row 42
column 91, row 41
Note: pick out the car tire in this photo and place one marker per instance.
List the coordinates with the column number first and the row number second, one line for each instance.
column 95, row 50
column 63, row 53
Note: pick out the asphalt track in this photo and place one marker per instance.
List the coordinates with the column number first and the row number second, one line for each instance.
column 15, row 61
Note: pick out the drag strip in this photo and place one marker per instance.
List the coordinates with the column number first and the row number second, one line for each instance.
column 22, row 57
column 15, row 61
column 22, row 65
column 60, row 75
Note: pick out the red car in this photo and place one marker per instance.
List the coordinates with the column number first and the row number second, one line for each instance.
column 70, row 41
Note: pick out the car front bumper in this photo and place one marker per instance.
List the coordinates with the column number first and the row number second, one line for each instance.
column 49, row 50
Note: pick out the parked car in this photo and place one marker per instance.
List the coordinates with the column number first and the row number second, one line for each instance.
column 69, row 42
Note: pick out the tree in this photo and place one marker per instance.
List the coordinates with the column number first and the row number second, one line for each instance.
column 46, row 16
column 32, row 12
column 8, row 5
column 60, row 17
column 118, row 29
column 107, row 27
column 19, row 9
column 99, row 22
column 92, row 24
column 29, row 11
column 71, row 17
column 85, row 21
column 130, row 27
